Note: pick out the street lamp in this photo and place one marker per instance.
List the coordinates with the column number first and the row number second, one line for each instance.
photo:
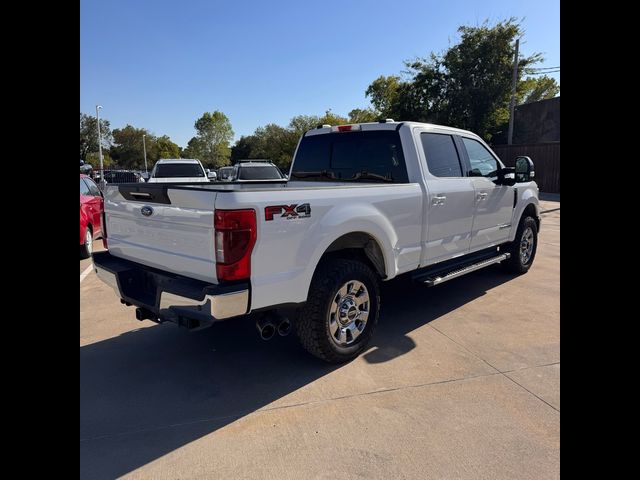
column 144, row 146
column 98, row 107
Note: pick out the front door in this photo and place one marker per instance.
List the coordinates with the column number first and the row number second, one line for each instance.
column 493, row 203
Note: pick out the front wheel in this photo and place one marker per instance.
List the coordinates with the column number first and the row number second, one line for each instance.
column 341, row 312
column 523, row 248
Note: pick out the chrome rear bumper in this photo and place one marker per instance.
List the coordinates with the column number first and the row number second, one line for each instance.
column 171, row 296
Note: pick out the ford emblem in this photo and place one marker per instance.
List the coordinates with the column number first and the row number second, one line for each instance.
column 146, row 211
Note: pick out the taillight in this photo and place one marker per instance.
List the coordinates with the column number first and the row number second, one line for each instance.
column 235, row 236
column 103, row 220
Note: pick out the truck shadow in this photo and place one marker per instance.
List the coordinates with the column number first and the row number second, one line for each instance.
column 150, row 391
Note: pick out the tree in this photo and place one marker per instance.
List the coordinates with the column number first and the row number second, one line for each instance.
column 166, row 148
column 93, row 159
column 332, row 119
column 363, row 115
column 193, row 149
column 213, row 134
column 467, row 86
column 535, row 89
column 128, row 151
column 89, row 135
column 243, row 148
column 384, row 92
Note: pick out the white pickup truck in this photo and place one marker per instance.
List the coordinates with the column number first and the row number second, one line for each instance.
column 364, row 203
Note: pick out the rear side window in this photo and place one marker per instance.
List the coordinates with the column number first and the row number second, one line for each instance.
column 374, row 156
column 442, row 155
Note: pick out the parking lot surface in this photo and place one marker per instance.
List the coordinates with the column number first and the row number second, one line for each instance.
column 462, row 381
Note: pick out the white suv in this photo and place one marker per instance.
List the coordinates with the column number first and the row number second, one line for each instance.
column 175, row 170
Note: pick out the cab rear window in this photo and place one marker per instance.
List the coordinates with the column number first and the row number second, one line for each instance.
column 373, row 156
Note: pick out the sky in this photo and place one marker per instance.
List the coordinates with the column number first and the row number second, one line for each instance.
column 161, row 64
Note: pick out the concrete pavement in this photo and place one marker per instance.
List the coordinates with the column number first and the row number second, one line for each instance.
column 462, row 381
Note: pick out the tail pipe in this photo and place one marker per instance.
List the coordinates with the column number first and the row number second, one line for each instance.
column 266, row 328
column 272, row 322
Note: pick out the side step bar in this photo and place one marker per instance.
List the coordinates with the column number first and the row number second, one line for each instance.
column 437, row 279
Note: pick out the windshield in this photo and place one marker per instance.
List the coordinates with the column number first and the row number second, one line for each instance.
column 267, row 172
column 171, row 170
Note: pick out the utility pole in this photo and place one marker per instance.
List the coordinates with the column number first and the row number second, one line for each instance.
column 98, row 107
column 512, row 104
column 144, row 146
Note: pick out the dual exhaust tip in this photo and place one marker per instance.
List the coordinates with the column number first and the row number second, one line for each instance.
column 271, row 323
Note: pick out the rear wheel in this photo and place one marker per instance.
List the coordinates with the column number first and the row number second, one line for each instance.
column 523, row 248
column 87, row 248
column 341, row 312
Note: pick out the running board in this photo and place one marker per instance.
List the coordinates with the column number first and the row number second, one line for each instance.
column 437, row 279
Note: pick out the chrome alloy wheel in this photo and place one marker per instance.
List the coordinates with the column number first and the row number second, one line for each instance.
column 88, row 241
column 349, row 313
column 526, row 245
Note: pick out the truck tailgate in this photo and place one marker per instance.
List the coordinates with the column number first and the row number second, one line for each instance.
column 166, row 227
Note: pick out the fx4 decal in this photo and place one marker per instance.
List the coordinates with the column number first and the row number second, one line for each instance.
column 290, row 212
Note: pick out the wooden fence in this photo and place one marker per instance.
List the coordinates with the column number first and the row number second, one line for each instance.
column 545, row 156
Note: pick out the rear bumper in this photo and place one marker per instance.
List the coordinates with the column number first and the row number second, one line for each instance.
column 168, row 296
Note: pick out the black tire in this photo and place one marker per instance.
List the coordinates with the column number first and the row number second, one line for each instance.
column 313, row 320
column 85, row 250
column 516, row 264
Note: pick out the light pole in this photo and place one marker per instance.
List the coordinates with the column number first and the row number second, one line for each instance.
column 98, row 107
column 144, row 147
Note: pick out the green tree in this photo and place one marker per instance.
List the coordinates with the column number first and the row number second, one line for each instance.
column 213, row 135
column 534, row 89
column 467, row 86
column 332, row 119
column 89, row 135
column 363, row 115
column 384, row 92
column 93, row 159
column 128, row 151
column 243, row 148
column 166, row 148
column 193, row 149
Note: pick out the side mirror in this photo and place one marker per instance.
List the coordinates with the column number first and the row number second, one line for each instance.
column 524, row 170
column 212, row 175
column 507, row 176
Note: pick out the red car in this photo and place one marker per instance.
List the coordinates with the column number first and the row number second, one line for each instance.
column 91, row 208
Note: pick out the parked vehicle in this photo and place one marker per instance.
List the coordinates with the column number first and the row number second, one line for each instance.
column 85, row 168
column 365, row 203
column 225, row 173
column 121, row 176
column 172, row 170
column 91, row 209
column 253, row 170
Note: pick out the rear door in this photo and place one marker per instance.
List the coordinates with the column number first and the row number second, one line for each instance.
column 493, row 203
column 450, row 198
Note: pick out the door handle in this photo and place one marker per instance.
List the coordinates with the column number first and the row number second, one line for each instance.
column 481, row 196
column 438, row 200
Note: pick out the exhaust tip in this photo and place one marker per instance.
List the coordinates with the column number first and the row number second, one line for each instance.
column 267, row 332
column 284, row 328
